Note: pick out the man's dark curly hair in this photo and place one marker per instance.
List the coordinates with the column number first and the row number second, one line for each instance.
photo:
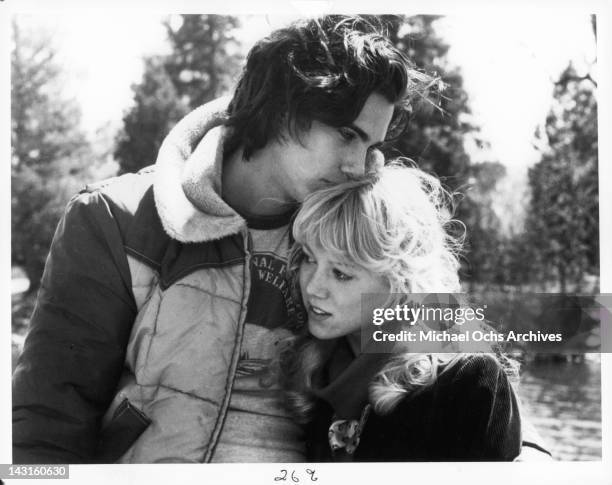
column 318, row 69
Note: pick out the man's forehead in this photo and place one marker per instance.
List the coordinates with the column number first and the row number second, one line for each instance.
column 373, row 119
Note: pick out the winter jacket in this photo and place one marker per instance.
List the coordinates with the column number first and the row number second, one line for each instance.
column 135, row 338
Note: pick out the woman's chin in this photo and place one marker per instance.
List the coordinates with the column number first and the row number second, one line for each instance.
column 316, row 331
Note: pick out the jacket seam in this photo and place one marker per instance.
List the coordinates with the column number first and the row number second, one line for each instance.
column 99, row 186
column 52, row 302
column 231, row 374
column 96, row 187
column 207, row 292
column 138, row 255
column 178, row 391
column 146, row 361
column 181, row 274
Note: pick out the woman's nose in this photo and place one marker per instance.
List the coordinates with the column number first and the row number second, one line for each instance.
column 315, row 286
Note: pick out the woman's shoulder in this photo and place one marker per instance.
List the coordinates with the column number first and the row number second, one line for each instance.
column 474, row 375
column 474, row 366
column 464, row 378
column 468, row 412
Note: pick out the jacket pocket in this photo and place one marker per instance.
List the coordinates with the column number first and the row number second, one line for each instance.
column 125, row 427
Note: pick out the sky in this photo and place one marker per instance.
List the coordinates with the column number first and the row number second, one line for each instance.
column 508, row 61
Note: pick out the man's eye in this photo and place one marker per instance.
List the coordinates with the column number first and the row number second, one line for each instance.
column 340, row 276
column 347, row 134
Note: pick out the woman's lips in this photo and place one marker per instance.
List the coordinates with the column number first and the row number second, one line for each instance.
column 317, row 313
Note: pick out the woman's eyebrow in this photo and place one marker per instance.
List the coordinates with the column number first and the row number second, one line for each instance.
column 336, row 262
column 345, row 264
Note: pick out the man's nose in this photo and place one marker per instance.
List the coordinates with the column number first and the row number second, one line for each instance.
column 360, row 164
column 375, row 160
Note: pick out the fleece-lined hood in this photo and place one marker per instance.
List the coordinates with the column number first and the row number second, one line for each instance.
column 187, row 184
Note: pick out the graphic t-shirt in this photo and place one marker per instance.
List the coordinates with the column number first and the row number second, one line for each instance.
column 257, row 427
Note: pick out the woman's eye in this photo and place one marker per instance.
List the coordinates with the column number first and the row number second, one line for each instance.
column 347, row 134
column 340, row 276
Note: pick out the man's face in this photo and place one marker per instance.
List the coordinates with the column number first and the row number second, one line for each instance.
column 328, row 155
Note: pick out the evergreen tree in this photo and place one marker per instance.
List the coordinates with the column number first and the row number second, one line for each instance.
column 435, row 134
column 483, row 238
column 50, row 155
column 200, row 67
column 564, row 211
column 204, row 59
column 434, row 140
column 156, row 109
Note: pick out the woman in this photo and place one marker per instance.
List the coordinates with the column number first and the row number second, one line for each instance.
column 387, row 236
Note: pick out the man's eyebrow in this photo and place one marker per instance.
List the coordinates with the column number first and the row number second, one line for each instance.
column 363, row 135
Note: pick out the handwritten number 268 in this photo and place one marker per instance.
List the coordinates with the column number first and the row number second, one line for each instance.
column 283, row 476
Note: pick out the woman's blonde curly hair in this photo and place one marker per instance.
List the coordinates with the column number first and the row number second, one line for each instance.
column 396, row 223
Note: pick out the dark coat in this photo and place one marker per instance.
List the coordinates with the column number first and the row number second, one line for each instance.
column 469, row 414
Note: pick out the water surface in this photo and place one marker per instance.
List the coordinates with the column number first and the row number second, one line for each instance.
column 563, row 401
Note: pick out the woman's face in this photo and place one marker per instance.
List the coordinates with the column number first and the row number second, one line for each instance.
column 331, row 290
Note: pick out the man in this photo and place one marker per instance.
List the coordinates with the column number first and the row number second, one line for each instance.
column 164, row 298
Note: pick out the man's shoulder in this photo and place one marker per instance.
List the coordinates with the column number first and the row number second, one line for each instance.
column 130, row 201
column 129, row 197
column 124, row 192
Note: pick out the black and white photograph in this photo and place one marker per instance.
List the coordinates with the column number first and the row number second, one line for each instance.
column 208, row 210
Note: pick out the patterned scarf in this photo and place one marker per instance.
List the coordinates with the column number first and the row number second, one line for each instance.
column 346, row 390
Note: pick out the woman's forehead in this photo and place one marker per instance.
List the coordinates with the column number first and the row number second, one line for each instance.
column 334, row 255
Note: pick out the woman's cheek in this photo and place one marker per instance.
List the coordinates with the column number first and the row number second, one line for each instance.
column 304, row 277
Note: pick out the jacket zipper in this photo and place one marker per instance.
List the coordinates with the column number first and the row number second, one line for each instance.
column 248, row 244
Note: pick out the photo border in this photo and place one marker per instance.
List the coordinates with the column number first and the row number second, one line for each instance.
column 422, row 473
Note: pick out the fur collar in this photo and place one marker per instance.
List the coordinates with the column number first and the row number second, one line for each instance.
column 187, row 185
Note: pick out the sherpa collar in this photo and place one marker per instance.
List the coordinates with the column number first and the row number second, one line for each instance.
column 187, row 185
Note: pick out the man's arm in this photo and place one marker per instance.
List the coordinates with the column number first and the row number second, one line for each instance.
column 75, row 348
